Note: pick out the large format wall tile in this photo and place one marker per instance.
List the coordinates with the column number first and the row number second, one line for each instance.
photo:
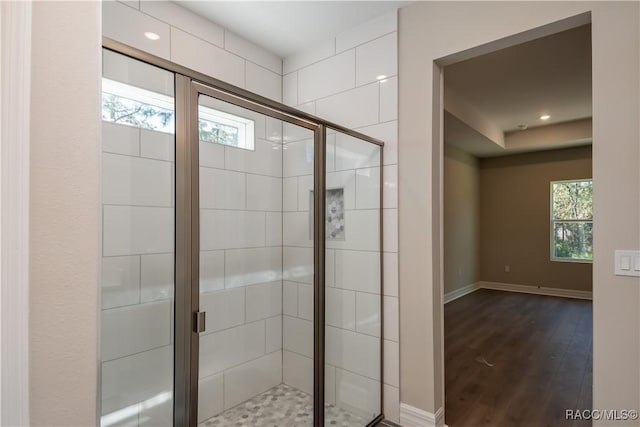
column 354, row 352
column 206, row 58
column 211, row 271
column 228, row 348
column 252, row 266
column 221, row 189
column 376, row 59
column 157, row 145
column 120, row 139
column 341, row 308
column 297, row 371
column 274, row 334
column 369, row 314
column 210, row 397
column 136, row 328
column 250, row 379
column 324, row 78
column 264, row 193
column 263, row 301
column 263, row 81
column 224, row 309
column 156, row 277
column 136, row 181
column 264, row 160
column 357, row 394
column 180, row 17
column 122, row 23
column 354, row 108
column 130, row 230
column 137, row 378
column 231, row 229
column 120, row 281
column 297, row 335
column 297, row 264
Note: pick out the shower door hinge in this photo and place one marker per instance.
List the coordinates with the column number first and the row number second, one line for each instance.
column 200, row 321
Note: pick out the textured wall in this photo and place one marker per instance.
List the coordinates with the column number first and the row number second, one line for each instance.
column 65, row 213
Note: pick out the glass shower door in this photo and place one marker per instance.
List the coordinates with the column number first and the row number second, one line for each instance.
column 138, row 211
column 256, row 267
column 353, row 299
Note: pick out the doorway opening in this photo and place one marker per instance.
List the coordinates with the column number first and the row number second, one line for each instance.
column 517, row 233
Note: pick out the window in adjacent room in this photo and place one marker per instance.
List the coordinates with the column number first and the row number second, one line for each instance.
column 572, row 220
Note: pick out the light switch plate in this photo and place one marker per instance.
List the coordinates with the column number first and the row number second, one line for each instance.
column 627, row 263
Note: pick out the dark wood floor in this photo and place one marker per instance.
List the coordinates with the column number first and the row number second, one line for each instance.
column 541, row 351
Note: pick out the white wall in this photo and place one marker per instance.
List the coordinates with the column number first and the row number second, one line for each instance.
column 430, row 31
column 194, row 42
column 337, row 80
column 65, row 218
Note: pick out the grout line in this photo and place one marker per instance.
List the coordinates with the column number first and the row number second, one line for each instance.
column 102, row 361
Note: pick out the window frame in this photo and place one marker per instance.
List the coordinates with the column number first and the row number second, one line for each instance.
column 552, row 222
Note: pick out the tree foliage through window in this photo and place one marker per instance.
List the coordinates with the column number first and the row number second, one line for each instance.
column 572, row 220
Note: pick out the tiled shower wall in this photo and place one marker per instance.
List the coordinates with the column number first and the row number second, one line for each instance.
column 194, row 42
column 241, row 222
column 351, row 79
column 137, row 267
column 352, row 377
column 240, row 266
column 317, row 81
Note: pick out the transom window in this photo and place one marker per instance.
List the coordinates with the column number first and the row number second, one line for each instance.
column 133, row 106
column 572, row 220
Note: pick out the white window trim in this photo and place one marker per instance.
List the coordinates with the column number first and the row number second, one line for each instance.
column 15, row 95
column 552, row 242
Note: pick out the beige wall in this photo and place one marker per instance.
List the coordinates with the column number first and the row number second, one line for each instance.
column 430, row 31
column 65, row 213
column 461, row 219
column 514, row 218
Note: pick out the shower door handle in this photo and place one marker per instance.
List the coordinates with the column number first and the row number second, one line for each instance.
column 200, row 321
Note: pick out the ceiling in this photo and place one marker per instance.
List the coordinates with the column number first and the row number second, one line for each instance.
column 516, row 85
column 288, row 27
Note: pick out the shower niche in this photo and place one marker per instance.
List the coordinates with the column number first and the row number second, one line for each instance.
column 242, row 277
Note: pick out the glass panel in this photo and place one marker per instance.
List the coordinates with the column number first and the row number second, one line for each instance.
column 353, row 282
column 572, row 200
column 138, row 147
column 573, row 240
column 256, row 270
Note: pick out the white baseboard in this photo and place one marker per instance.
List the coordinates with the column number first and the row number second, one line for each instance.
column 414, row 417
column 458, row 293
column 537, row 290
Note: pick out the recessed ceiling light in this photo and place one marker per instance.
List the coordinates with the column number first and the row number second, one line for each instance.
column 381, row 77
column 545, row 117
column 151, row 36
column 522, row 127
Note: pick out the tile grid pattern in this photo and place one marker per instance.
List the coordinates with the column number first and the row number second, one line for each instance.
column 138, row 198
column 190, row 40
column 361, row 93
column 352, row 277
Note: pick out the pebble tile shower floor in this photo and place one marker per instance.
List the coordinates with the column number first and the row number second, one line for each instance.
column 282, row 406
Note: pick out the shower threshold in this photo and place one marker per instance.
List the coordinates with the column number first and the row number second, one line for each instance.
column 281, row 406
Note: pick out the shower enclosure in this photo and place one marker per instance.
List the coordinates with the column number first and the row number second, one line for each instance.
column 242, row 271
